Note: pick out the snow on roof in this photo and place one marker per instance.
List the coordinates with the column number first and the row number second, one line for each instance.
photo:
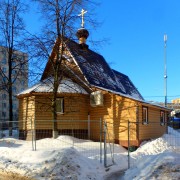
column 134, row 98
column 98, row 73
column 46, row 86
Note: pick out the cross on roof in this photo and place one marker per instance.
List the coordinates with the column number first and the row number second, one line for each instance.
column 82, row 14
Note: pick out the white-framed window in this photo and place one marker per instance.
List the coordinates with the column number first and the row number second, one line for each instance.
column 13, row 64
column 4, row 96
column 4, row 79
column 14, row 56
column 60, row 105
column 14, row 72
column 144, row 115
column 4, row 105
column 4, row 61
column 23, row 83
column 14, row 106
column 3, row 114
column 162, row 118
column 4, row 70
column 14, row 90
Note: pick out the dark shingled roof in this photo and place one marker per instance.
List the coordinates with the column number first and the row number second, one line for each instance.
column 98, row 73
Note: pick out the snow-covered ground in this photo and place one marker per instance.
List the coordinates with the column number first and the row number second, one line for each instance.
column 156, row 159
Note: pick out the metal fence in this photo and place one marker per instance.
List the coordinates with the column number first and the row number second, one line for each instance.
column 92, row 138
column 4, row 128
column 165, row 134
column 83, row 135
column 89, row 137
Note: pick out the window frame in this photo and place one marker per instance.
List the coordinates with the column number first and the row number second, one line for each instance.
column 14, row 89
column 4, row 70
column 162, row 118
column 145, row 120
column 4, row 96
column 14, row 72
column 3, row 114
column 4, row 105
column 60, row 101
column 4, row 61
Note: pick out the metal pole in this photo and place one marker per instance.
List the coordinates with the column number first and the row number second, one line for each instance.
column 100, row 140
column 35, row 132
column 105, row 148
column 32, row 134
column 113, row 145
column 1, row 132
column 89, row 126
column 128, row 145
column 165, row 70
column 72, row 131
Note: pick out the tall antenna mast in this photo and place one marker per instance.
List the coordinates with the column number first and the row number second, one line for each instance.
column 165, row 70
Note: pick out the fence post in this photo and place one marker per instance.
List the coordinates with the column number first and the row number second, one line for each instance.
column 128, row 144
column 100, row 140
column 35, row 133
column 32, row 134
column 113, row 147
column 89, row 131
column 72, row 131
column 1, row 129
column 105, row 146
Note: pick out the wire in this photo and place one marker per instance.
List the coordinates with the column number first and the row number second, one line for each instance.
column 162, row 96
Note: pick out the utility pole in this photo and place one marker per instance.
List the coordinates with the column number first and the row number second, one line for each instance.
column 165, row 70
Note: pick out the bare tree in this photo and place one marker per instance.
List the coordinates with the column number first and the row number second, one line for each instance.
column 12, row 35
column 60, row 27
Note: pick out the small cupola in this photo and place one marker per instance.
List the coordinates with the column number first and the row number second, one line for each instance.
column 82, row 33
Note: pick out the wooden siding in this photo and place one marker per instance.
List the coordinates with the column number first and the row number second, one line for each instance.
column 75, row 108
column 26, row 112
column 116, row 112
column 153, row 129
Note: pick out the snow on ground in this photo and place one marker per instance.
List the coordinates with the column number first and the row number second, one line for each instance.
column 164, row 166
column 71, row 158
column 157, row 159
column 48, row 162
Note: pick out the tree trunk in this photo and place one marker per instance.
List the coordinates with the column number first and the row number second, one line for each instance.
column 54, row 108
column 10, row 91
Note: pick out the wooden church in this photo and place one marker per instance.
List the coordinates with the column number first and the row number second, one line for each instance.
column 89, row 90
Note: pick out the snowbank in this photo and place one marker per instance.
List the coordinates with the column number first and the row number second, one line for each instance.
column 47, row 163
column 156, row 159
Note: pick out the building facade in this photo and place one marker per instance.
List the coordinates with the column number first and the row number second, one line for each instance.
column 19, row 79
column 89, row 90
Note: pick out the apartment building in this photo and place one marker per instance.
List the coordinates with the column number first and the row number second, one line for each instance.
column 19, row 80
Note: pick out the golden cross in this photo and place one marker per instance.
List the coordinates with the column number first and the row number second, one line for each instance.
column 82, row 14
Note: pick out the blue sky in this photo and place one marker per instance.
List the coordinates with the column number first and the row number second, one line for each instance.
column 135, row 30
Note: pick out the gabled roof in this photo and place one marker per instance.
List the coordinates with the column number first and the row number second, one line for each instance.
column 128, row 85
column 99, row 74
column 46, row 86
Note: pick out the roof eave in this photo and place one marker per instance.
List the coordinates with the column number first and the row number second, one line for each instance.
column 130, row 97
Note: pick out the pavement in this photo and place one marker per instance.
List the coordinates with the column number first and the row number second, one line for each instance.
column 118, row 175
